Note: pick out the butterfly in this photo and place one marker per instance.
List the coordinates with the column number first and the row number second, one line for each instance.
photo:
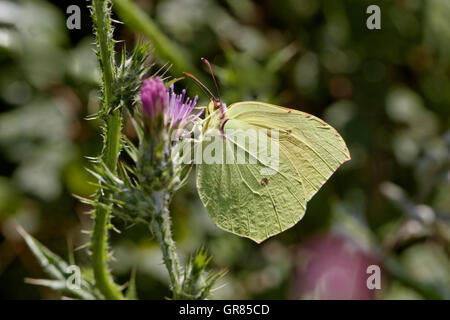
column 266, row 162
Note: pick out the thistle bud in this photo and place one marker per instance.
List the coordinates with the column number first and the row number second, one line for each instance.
column 154, row 99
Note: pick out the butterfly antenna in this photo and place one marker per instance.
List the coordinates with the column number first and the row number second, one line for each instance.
column 204, row 88
column 212, row 74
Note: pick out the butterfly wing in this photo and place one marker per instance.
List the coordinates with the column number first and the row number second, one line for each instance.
column 315, row 149
column 257, row 198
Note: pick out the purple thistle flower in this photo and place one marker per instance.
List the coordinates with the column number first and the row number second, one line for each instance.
column 153, row 97
column 179, row 112
column 176, row 110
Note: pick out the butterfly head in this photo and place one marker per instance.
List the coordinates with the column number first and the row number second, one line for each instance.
column 218, row 104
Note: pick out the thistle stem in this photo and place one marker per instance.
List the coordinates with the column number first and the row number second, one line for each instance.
column 162, row 229
column 103, row 278
column 111, row 150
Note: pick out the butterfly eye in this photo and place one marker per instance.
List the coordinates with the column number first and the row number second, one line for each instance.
column 219, row 105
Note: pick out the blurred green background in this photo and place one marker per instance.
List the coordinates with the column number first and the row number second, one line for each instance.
column 386, row 91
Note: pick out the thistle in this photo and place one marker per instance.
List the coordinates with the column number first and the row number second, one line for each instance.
column 158, row 103
column 166, row 115
column 137, row 192
column 142, row 192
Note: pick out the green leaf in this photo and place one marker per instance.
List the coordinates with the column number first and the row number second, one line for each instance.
column 57, row 269
column 131, row 291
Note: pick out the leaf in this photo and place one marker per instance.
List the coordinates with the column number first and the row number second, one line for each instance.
column 57, row 269
column 131, row 291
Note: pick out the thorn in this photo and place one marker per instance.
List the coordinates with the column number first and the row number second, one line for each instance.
column 123, row 286
column 115, row 229
column 83, row 246
column 32, row 281
column 218, row 288
column 21, row 231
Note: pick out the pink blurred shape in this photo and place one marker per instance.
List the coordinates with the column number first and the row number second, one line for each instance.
column 332, row 267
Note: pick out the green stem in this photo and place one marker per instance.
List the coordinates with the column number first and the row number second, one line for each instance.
column 103, row 278
column 162, row 230
column 112, row 141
